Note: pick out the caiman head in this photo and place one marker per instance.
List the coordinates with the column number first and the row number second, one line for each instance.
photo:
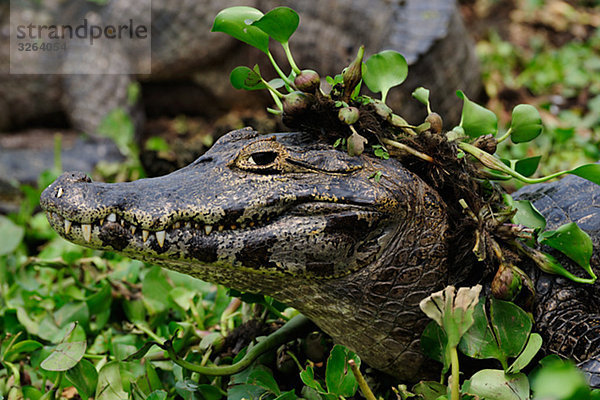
column 286, row 216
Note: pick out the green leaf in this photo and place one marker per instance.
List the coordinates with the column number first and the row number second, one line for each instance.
column 475, row 119
column 433, row 344
column 160, row 395
column 511, row 326
column 20, row 348
column 495, row 384
column 308, row 377
column 265, row 380
column 526, row 123
column 84, row 377
column 65, row 356
column 209, row 392
column 531, row 349
column 527, row 166
column 422, row 95
column 155, row 289
column 110, row 384
column 570, row 240
column 11, row 235
column 118, row 126
column 245, row 78
column 290, row 395
column 338, row 376
column 528, row 215
column 279, row 23
column 591, row 172
column 237, row 22
column 479, row 342
column 245, row 391
column 503, row 336
column 430, row 390
column 558, row 379
column 384, row 70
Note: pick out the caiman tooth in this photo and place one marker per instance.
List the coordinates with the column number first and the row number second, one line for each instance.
column 187, row 225
column 177, row 225
column 101, row 221
column 59, row 193
column 86, row 230
column 112, row 217
column 133, row 228
column 208, row 229
column 160, row 238
column 67, row 226
column 145, row 234
column 221, row 227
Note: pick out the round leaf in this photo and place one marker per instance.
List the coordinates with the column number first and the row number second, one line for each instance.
column 526, row 123
column 421, row 94
column 245, row 78
column 531, row 349
column 475, row 119
column 591, row 172
column 433, row 344
column 495, row 384
column 84, row 377
column 65, row 356
column 237, row 22
column 527, row 166
column 10, row 235
column 338, row 377
column 559, row 379
column 279, row 23
column 528, row 215
column 571, row 241
column 384, row 71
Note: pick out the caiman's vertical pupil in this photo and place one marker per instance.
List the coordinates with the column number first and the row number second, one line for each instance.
column 263, row 157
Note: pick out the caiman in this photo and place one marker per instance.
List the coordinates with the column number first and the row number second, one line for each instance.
column 298, row 220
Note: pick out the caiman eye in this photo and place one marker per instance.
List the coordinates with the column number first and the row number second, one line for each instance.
column 263, row 156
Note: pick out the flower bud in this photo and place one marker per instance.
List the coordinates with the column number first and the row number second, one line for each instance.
column 382, row 109
column 348, row 115
column 308, row 81
column 356, row 144
column 353, row 74
column 486, row 143
column 435, row 122
column 507, row 283
column 297, row 102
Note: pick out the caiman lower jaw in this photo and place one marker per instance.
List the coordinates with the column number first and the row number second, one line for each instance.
column 197, row 240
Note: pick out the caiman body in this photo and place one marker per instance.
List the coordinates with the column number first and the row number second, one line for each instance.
column 298, row 220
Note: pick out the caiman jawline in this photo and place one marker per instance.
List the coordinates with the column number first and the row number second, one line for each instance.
column 308, row 209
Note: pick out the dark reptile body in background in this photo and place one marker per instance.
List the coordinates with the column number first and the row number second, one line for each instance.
column 430, row 34
column 311, row 229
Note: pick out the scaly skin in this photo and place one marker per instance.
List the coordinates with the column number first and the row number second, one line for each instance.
column 295, row 219
column 310, row 229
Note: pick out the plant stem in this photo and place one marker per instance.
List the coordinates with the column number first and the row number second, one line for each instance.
column 407, row 149
column 505, row 136
column 279, row 71
column 362, row 384
column 292, row 329
column 288, row 54
column 455, row 388
column 148, row 332
column 494, row 163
